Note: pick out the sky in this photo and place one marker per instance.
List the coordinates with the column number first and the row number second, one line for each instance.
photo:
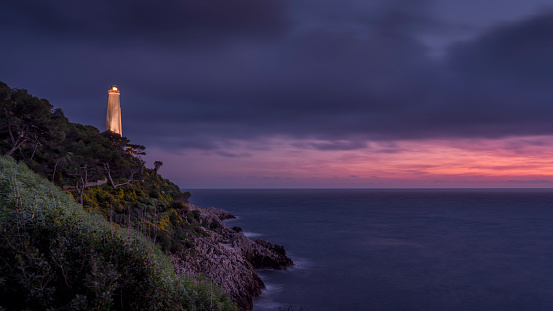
column 303, row 93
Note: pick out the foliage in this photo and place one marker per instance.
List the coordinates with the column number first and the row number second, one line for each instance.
column 157, row 165
column 149, row 207
column 28, row 122
column 56, row 256
column 73, row 155
column 78, row 157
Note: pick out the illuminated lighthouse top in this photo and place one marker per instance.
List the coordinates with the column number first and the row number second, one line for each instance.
column 113, row 118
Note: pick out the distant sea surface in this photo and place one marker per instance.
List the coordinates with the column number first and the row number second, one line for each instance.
column 414, row 249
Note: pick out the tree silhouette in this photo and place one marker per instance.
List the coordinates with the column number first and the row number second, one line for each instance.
column 157, row 165
column 24, row 119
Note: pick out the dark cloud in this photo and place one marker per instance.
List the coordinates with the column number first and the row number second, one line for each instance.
column 125, row 20
column 516, row 52
column 233, row 155
column 335, row 145
column 341, row 74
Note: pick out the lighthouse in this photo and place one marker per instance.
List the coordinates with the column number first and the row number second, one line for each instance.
column 113, row 118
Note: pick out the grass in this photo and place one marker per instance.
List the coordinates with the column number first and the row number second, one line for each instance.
column 56, row 256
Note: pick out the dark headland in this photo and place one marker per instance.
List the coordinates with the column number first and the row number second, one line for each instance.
column 229, row 258
column 84, row 224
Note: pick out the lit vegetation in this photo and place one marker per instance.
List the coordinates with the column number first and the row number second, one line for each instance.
column 149, row 207
column 109, row 252
column 54, row 255
column 103, row 171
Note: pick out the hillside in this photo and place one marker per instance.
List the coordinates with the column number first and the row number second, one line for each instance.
column 54, row 255
column 90, row 249
column 103, row 171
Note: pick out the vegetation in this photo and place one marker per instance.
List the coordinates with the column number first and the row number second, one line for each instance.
column 109, row 252
column 149, row 207
column 72, row 155
column 103, row 171
column 54, row 255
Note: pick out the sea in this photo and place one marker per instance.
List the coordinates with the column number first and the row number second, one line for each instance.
column 400, row 249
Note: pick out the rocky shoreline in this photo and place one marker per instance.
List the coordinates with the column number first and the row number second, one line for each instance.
column 229, row 258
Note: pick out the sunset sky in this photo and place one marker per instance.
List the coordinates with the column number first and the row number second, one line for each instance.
column 303, row 93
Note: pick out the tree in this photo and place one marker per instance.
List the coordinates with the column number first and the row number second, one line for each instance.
column 24, row 119
column 117, row 141
column 32, row 131
column 126, row 166
column 157, row 165
column 136, row 150
column 89, row 150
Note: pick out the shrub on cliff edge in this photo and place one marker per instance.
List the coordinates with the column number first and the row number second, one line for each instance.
column 55, row 256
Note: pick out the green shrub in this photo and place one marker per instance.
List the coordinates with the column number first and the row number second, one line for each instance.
column 56, row 256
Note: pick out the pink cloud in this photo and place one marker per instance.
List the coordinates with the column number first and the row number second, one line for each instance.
column 282, row 163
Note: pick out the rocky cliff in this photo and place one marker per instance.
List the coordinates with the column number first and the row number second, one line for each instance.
column 229, row 258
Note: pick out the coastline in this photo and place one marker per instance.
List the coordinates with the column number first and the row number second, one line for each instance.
column 228, row 258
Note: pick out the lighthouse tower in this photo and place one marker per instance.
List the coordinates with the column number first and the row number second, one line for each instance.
column 113, row 118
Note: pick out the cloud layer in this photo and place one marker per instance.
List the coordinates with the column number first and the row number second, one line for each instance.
column 204, row 74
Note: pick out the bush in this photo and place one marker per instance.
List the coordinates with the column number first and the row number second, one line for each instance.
column 55, row 256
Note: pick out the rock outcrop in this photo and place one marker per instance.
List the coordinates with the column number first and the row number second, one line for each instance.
column 229, row 258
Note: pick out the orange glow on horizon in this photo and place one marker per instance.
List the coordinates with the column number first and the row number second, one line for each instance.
column 510, row 162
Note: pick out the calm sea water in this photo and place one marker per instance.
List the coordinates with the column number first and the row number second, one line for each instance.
column 401, row 249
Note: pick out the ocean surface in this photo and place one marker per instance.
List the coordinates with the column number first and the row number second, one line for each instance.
column 414, row 249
